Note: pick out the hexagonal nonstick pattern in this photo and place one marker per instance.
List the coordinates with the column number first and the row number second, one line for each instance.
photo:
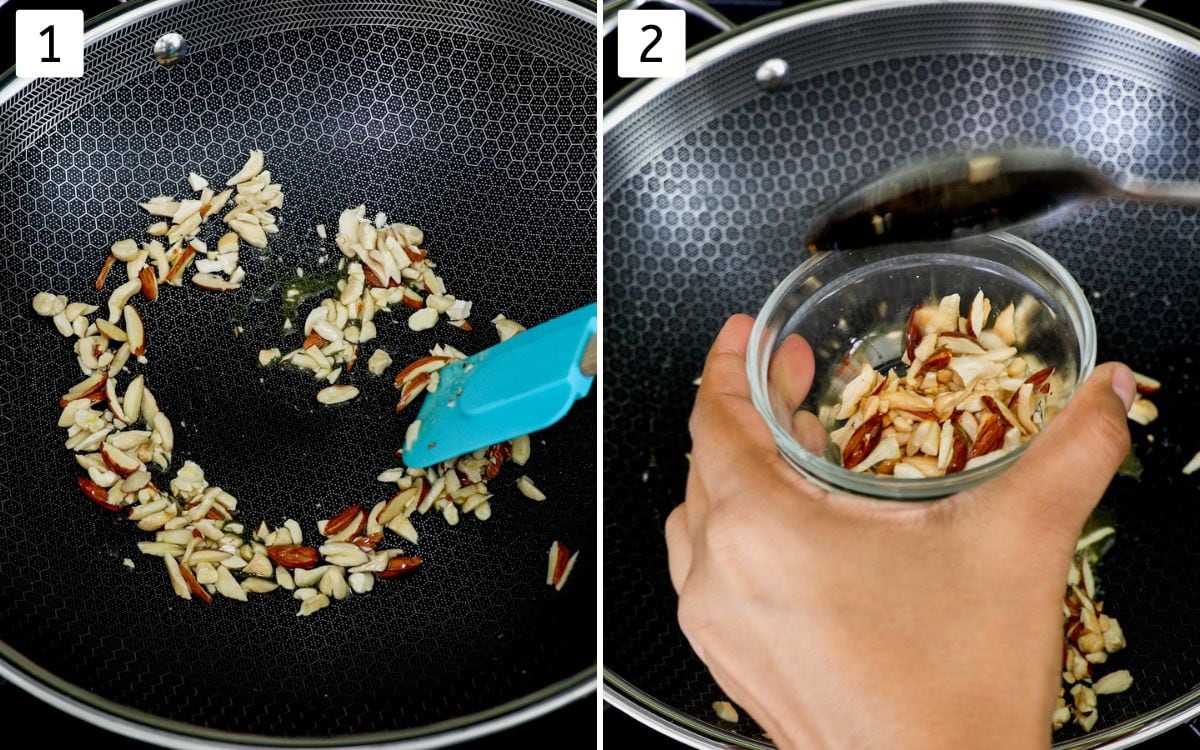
column 474, row 121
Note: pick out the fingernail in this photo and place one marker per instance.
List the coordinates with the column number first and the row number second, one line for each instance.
column 1123, row 385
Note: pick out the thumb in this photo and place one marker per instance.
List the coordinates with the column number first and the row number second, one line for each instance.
column 1065, row 470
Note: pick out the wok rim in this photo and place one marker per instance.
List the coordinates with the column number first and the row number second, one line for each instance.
column 621, row 105
column 113, row 20
column 623, row 694
column 640, row 706
column 148, row 727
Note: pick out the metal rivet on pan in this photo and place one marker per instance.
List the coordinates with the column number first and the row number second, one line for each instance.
column 772, row 73
column 170, row 48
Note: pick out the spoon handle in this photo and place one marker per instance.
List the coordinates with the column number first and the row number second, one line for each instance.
column 1163, row 191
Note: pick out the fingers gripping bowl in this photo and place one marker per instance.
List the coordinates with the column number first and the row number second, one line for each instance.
column 840, row 311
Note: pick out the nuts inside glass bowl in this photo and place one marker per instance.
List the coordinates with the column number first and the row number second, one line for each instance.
column 963, row 395
column 839, row 311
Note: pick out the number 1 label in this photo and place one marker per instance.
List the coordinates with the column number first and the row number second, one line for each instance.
column 49, row 43
column 50, row 58
column 651, row 44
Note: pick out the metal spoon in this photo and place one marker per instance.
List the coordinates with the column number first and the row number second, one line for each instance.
column 956, row 195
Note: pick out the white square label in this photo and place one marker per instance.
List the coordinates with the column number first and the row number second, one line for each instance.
column 651, row 44
column 49, row 43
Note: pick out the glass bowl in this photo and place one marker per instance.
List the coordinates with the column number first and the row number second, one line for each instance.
column 852, row 307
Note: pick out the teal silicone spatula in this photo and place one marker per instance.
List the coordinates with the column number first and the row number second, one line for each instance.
column 517, row 387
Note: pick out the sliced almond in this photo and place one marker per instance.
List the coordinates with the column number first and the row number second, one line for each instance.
column 566, row 573
column 260, row 566
column 111, row 330
column 164, row 430
column 945, row 318
column 378, row 362
column 978, row 314
column 120, row 297
column 135, row 330
column 527, row 488
column 888, row 449
column 125, row 250
column 179, row 586
column 136, row 481
column 333, row 584
column 121, row 462
column 161, row 206
column 132, row 405
column 403, row 527
column 423, row 319
column 249, row 170
column 725, row 711
column 855, row 390
column 336, row 394
column 1143, row 411
column 343, row 554
column 410, row 435
column 259, row 585
column 114, row 403
column 520, row 450
column 228, row 586
column 1005, row 325
column 312, row 604
column 309, row 577
column 249, row 231
column 284, row 578
column 214, row 283
column 506, row 328
column 904, row 470
column 149, row 283
column 361, row 583
column 1146, row 384
column 552, row 563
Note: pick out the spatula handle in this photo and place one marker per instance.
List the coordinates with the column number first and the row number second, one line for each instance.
column 588, row 363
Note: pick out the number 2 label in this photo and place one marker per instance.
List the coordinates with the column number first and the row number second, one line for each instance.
column 651, row 43
column 657, row 38
column 49, row 43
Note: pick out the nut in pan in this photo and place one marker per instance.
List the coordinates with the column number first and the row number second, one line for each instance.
column 213, row 283
column 250, row 170
column 149, row 282
column 312, row 604
column 293, row 556
column 1146, row 385
column 336, row 394
column 96, row 493
column 398, row 566
column 1143, row 411
column 135, row 330
column 120, row 461
column 343, row 554
column 342, row 521
column 419, row 367
column 411, row 389
column 527, row 488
